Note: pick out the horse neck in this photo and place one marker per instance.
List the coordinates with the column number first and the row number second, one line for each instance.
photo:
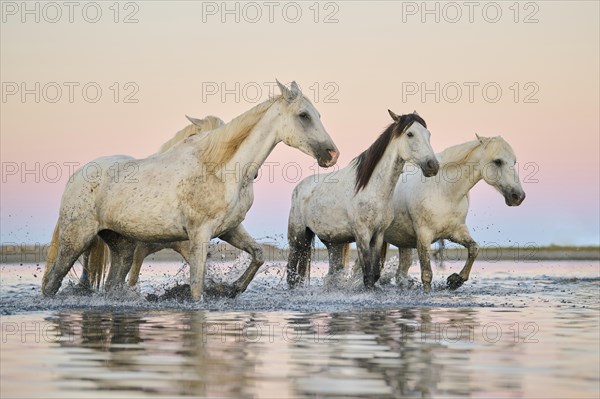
column 470, row 175
column 255, row 149
column 245, row 141
column 386, row 173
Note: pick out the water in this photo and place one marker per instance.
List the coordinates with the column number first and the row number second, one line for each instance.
column 513, row 330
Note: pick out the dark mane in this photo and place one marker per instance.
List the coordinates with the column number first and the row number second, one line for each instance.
column 367, row 161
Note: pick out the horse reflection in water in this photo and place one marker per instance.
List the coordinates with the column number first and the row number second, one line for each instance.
column 374, row 354
column 155, row 349
column 382, row 353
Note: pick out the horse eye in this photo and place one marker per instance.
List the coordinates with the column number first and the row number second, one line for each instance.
column 498, row 162
column 410, row 134
column 304, row 115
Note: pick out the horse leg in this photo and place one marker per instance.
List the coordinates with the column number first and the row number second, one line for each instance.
column 345, row 255
column 382, row 258
column 64, row 262
column 84, row 280
column 300, row 244
column 423, row 244
column 369, row 252
column 239, row 238
column 198, row 251
column 336, row 262
column 182, row 248
column 293, row 279
column 121, row 257
column 71, row 244
column 121, row 260
column 358, row 268
column 462, row 237
column 405, row 261
column 378, row 253
column 142, row 250
column 305, row 256
column 136, row 264
column 85, row 284
column 440, row 251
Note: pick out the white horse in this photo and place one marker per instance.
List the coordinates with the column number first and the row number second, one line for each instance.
column 431, row 209
column 354, row 204
column 201, row 189
column 95, row 258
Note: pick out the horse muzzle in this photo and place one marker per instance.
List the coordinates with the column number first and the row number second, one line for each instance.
column 328, row 158
column 430, row 167
column 514, row 198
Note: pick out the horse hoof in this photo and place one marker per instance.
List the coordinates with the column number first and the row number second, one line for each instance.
column 48, row 293
column 427, row 288
column 454, row 281
column 49, row 287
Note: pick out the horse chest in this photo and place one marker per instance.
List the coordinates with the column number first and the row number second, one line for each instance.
column 238, row 204
column 440, row 221
column 371, row 211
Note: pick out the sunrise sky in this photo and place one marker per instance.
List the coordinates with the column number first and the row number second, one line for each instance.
column 533, row 69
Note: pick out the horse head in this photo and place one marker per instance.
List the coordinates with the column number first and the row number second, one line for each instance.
column 498, row 169
column 414, row 142
column 299, row 126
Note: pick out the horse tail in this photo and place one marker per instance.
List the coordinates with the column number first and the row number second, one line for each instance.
column 52, row 255
column 97, row 262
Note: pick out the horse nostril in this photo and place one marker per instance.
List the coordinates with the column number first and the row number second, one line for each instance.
column 515, row 197
column 334, row 154
column 430, row 164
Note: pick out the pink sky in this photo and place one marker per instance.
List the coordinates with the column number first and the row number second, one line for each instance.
column 365, row 62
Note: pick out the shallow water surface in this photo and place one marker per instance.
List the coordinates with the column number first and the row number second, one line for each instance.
column 513, row 330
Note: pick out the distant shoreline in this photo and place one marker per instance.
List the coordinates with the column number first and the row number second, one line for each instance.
column 37, row 253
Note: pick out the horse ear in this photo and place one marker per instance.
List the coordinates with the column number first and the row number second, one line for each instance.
column 484, row 141
column 295, row 89
column 285, row 92
column 415, row 112
column 196, row 121
column 395, row 117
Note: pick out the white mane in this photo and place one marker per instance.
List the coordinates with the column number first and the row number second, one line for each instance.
column 208, row 123
column 220, row 144
column 461, row 153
